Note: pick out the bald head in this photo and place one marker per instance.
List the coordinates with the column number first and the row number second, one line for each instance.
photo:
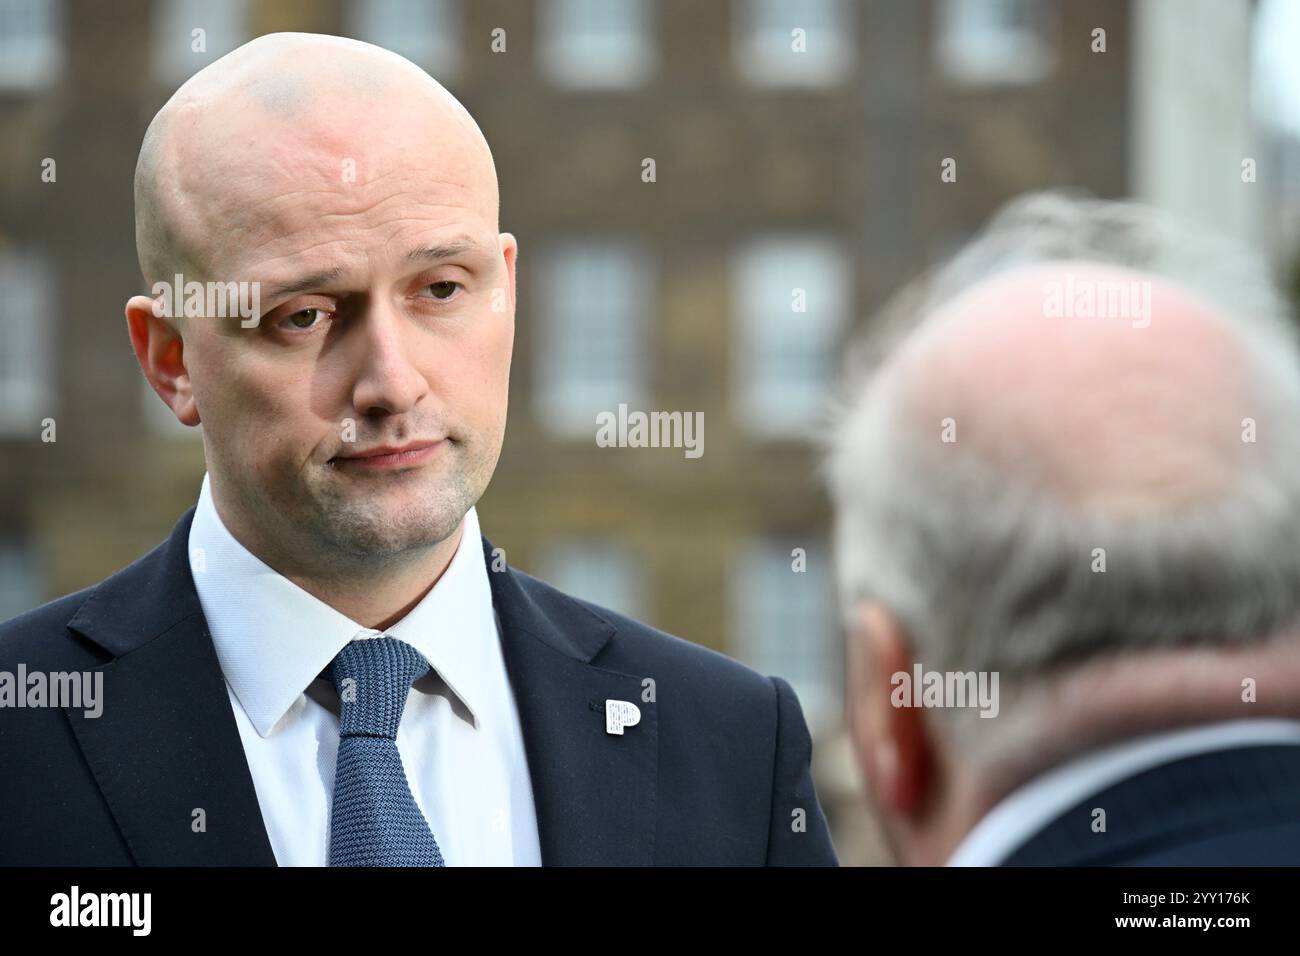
column 285, row 112
column 1098, row 385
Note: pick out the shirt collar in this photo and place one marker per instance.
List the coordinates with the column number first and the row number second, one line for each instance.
column 273, row 639
column 1024, row 812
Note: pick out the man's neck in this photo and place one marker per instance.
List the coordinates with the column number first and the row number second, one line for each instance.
column 382, row 598
column 374, row 592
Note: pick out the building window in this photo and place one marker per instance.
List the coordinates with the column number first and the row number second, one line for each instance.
column 783, row 620
column 426, row 32
column 791, row 305
column 793, row 42
column 598, row 570
column 31, row 50
column 27, row 319
column 992, row 42
column 601, row 44
column 22, row 585
column 190, row 34
column 592, row 334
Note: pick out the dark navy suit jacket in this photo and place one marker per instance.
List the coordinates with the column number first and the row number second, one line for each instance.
column 1235, row 807
column 715, row 773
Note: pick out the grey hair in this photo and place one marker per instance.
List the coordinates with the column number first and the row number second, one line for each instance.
column 990, row 573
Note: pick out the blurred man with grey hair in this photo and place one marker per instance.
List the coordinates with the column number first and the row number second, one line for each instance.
column 1067, row 491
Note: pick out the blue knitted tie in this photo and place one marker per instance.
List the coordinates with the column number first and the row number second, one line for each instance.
column 375, row 821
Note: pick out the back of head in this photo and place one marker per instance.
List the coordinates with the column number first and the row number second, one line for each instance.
column 1080, row 438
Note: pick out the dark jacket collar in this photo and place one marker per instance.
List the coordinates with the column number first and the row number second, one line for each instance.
column 167, row 755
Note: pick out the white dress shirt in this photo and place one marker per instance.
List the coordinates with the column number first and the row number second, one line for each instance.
column 1024, row 812
column 459, row 739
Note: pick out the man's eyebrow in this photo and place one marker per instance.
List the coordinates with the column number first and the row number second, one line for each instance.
column 445, row 250
column 304, row 284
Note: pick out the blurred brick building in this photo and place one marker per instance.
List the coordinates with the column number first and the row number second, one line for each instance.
column 794, row 147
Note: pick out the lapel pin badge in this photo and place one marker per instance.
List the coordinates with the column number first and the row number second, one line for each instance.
column 620, row 714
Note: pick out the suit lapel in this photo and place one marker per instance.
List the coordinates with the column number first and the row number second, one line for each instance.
column 165, row 751
column 595, row 792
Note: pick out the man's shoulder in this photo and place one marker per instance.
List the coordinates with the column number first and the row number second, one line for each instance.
column 728, row 738
column 1186, row 810
column 42, row 637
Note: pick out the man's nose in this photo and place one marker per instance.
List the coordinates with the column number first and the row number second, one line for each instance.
column 388, row 381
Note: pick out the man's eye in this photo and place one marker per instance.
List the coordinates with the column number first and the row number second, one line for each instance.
column 304, row 318
column 443, row 290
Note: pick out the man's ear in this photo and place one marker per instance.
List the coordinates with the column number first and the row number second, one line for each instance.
column 510, row 252
column 161, row 353
column 891, row 742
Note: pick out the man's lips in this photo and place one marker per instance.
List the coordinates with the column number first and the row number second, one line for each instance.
column 391, row 456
